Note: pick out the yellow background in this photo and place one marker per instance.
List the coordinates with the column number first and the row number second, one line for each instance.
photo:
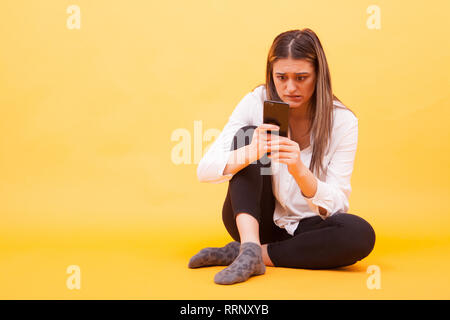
column 86, row 174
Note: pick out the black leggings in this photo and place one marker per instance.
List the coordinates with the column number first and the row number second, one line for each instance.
column 317, row 243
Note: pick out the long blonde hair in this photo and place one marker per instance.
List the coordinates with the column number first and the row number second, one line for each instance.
column 304, row 44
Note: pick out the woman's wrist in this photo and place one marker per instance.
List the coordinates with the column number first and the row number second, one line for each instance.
column 303, row 170
column 306, row 181
column 239, row 159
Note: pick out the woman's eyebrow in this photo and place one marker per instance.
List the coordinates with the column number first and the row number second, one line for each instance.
column 299, row 73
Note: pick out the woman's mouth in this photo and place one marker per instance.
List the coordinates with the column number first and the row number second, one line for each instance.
column 294, row 97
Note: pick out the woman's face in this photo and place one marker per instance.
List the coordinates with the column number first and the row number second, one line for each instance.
column 295, row 81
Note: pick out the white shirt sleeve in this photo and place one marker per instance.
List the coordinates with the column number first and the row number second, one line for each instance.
column 333, row 193
column 211, row 166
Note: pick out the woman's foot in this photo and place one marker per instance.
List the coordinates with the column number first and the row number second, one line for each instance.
column 215, row 256
column 248, row 263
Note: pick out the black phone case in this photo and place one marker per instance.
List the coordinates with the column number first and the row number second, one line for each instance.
column 277, row 112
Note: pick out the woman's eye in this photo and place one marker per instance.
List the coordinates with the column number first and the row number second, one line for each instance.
column 298, row 78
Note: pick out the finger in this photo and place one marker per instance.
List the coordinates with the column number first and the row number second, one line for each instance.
column 270, row 129
column 286, row 155
column 280, row 147
column 264, row 139
column 284, row 161
column 259, row 133
column 269, row 126
column 276, row 144
column 280, row 160
column 263, row 131
column 282, row 140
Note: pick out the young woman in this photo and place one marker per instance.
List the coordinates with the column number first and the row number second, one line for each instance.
column 289, row 208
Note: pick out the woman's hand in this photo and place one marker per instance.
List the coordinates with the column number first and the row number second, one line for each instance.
column 259, row 141
column 286, row 151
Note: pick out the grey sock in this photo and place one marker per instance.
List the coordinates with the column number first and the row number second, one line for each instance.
column 215, row 256
column 248, row 263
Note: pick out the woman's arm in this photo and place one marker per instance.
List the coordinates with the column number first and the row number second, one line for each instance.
column 332, row 194
column 243, row 156
column 238, row 160
column 211, row 166
column 307, row 183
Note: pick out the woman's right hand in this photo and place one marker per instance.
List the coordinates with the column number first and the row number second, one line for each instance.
column 260, row 139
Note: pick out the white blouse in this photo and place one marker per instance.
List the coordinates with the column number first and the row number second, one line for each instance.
column 333, row 188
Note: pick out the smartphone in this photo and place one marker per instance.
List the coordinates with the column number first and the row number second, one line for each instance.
column 277, row 113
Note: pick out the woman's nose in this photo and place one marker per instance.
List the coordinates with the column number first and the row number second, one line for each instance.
column 291, row 86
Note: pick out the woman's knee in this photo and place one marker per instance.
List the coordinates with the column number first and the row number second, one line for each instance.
column 359, row 233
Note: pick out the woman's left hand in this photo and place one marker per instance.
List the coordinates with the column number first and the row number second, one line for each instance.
column 286, row 151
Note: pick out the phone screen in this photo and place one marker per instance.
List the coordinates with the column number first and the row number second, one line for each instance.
column 277, row 113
